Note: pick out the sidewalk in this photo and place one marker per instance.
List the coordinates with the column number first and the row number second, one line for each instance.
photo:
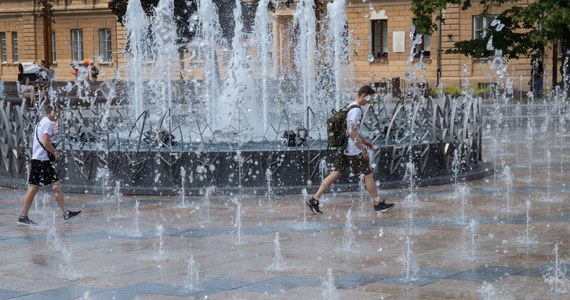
column 145, row 250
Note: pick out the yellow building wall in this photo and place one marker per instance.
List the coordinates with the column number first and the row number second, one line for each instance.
column 21, row 16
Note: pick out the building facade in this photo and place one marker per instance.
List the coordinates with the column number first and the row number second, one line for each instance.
column 380, row 34
column 82, row 30
column 381, row 28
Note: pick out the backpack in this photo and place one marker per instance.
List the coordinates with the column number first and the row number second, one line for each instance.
column 336, row 127
column 95, row 71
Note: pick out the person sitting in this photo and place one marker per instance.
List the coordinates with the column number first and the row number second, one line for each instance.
column 27, row 92
column 41, row 89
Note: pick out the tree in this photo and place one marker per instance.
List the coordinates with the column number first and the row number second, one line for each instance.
column 527, row 31
column 183, row 9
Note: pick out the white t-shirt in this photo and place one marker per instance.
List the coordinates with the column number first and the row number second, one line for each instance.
column 45, row 125
column 353, row 118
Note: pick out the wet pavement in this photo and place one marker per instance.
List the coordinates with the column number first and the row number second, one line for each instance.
column 502, row 237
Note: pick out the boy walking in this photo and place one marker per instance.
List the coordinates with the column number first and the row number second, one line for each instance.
column 41, row 169
column 354, row 156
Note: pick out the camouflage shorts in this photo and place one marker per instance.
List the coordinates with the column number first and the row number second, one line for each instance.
column 357, row 163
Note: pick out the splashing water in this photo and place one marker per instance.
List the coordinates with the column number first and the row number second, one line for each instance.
column 182, row 193
column 136, row 227
column 53, row 239
column 278, row 264
column 238, row 237
column 410, row 267
column 470, row 235
column 348, row 243
column 191, row 281
column 66, row 267
column 207, row 194
column 508, row 179
column 159, row 250
column 118, row 198
column 548, row 178
column 328, row 288
column 487, row 291
column 323, row 169
column 526, row 237
column 303, row 202
column 462, row 196
column 269, row 193
column 555, row 275
column 361, row 196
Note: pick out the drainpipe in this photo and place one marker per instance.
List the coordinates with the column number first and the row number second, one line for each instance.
column 554, row 65
column 438, row 81
column 48, row 19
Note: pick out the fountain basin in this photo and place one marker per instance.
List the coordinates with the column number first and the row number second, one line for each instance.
column 153, row 172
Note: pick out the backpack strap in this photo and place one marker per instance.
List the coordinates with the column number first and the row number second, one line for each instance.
column 350, row 107
column 41, row 144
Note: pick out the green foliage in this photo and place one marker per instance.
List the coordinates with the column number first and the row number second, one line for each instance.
column 482, row 91
column 183, row 9
column 529, row 28
column 450, row 90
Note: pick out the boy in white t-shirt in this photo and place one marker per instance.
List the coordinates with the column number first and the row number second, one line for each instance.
column 354, row 157
column 42, row 172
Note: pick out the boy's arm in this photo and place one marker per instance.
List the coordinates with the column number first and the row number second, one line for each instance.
column 360, row 142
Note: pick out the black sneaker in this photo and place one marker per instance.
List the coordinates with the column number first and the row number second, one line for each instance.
column 314, row 206
column 70, row 214
column 383, row 206
column 24, row 220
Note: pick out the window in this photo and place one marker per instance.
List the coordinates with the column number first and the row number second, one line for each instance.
column 3, row 41
column 379, row 38
column 425, row 47
column 15, row 46
column 105, row 46
column 53, row 55
column 76, row 45
column 480, row 24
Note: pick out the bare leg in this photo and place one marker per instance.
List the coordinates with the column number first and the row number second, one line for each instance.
column 326, row 183
column 59, row 195
column 29, row 198
column 371, row 187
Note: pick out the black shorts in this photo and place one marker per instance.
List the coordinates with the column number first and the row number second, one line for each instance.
column 42, row 173
column 357, row 163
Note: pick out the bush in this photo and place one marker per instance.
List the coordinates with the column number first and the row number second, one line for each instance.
column 450, row 91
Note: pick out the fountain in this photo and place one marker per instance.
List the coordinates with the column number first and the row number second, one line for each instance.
column 191, row 282
column 278, row 264
column 555, row 275
column 470, row 235
column 526, row 237
column 238, row 239
column 347, row 243
column 410, row 267
column 159, row 249
column 328, row 287
column 232, row 116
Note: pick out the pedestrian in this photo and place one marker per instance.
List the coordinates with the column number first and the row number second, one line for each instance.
column 94, row 71
column 42, row 171
column 536, row 77
column 28, row 92
column 41, row 89
column 354, row 156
